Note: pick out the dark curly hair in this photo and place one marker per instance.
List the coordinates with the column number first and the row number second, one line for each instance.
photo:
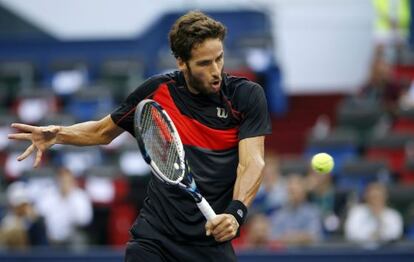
column 192, row 29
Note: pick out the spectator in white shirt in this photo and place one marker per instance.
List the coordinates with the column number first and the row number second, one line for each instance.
column 373, row 222
column 65, row 208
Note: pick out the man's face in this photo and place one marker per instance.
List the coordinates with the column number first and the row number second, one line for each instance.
column 66, row 181
column 296, row 190
column 203, row 71
column 376, row 197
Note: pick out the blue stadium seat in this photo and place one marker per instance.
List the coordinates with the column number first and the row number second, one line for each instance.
column 90, row 103
column 359, row 114
column 357, row 173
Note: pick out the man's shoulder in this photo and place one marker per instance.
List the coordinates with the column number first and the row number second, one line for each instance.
column 238, row 81
column 164, row 77
column 359, row 209
column 240, row 87
column 155, row 81
column 79, row 194
column 392, row 213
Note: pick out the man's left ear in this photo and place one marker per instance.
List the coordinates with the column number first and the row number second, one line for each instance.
column 181, row 64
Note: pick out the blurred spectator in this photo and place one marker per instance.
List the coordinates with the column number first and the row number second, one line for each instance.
column 272, row 193
column 373, row 222
column 68, row 81
column 392, row 26
column 407, row 97
column 298, row 222
column 410, row 222
column 13, row 169
column 322, row 127
column 257, row 234
column 22, row 226
column 65, row 208
column 4, row 129
column 330, row 202
column 258, row 231
column 33, row 105
column 382, row 86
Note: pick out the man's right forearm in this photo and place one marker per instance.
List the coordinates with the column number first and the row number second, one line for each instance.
column 89, row 133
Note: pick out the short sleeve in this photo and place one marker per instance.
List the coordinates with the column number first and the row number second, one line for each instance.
column 255, row 114
column 123, row 115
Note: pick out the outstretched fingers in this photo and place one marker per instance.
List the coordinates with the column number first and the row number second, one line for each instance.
column 38, row 157
column 20, row 136
column 26, row 153
column 23, row 127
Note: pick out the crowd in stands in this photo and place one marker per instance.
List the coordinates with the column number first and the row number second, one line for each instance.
column 314, row 213
column 79, row 196
column 90, row 196
column 52, row 216
column 368, row 199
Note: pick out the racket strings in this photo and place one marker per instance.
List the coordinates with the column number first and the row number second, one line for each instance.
column 161, row 144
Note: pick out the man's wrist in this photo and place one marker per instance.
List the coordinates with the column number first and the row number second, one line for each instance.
column 238, row 210
column 59, row 134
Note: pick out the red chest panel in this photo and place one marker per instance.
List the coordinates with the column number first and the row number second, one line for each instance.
column 192, row 132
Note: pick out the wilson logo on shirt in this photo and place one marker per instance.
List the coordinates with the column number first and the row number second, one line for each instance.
column 221, row 112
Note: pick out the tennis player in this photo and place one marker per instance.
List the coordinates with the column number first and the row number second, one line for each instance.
column 222, row 121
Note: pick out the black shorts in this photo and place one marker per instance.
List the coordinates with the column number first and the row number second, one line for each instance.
column 152, row 246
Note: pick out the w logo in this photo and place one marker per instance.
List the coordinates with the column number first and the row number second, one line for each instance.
column 221, row 112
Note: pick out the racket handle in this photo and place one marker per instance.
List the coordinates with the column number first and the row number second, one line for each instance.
column 206, row 209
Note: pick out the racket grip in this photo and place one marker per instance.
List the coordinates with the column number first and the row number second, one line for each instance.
column 206, row 209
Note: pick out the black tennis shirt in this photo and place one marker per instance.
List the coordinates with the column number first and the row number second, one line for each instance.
column 210, row 127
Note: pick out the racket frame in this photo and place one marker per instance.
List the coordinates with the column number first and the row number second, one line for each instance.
column 186, row 180
column 141, row 143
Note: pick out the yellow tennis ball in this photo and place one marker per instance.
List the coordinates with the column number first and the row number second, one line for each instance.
column 322, row 163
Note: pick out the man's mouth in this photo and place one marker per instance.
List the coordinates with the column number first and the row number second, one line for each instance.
column 216, row 85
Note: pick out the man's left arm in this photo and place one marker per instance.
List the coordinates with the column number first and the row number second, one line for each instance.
column 249, row 171
column 249, row 176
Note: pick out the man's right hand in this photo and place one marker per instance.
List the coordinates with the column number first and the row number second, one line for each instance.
column 223, row 227
column 42, row 138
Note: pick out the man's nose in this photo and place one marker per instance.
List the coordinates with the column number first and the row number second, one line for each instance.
column 215, row 70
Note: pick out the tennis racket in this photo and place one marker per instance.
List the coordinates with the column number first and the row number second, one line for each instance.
column 162, row 149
